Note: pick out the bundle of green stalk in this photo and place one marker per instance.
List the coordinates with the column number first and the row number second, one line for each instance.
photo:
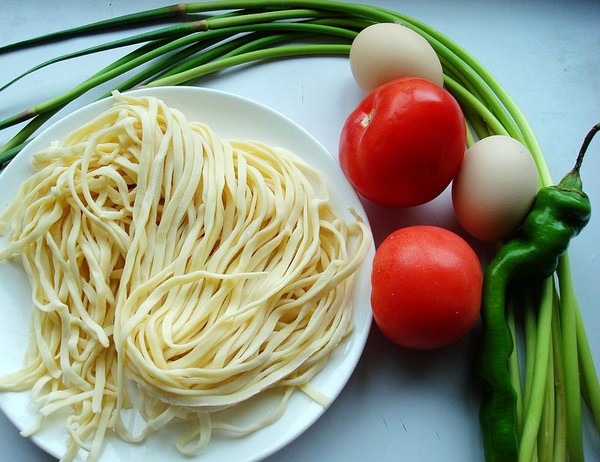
column 552, row 375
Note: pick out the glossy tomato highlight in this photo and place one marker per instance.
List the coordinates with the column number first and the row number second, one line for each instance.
column 426, row 287
column 404, row 143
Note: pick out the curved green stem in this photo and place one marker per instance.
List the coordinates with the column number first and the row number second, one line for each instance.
column 10, row 149
column 161, row 34
column 545, row 439
column 559, row 448
column 570, row 364
column 10, row 153
column 531, row 340
column 169, row 47
column 279, row 52
column 254, row 42
column 467, row 99
column 590, row 387
column 535, row 405
column 514, row 368
column 156, row 14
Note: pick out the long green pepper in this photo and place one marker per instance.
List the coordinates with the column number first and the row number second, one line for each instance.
column 558, row 214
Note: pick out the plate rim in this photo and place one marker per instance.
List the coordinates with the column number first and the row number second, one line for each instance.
column 356, row 340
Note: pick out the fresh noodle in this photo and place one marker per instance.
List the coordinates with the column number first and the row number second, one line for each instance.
column 174, row 275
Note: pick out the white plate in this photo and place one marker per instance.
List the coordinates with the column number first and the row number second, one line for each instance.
column 231, row 117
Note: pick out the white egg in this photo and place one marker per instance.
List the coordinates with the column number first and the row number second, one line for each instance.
column 495, row 187
column 387, row 51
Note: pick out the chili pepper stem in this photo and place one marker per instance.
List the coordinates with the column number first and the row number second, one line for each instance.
column 586, row 142
column 572, row 180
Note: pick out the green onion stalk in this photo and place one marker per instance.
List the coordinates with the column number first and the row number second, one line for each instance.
column 205, row 38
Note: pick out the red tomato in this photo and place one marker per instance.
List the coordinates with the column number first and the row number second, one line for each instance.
column 426, row 287
column 404, row 143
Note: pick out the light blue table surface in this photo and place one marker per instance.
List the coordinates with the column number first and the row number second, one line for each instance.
column 398, row 405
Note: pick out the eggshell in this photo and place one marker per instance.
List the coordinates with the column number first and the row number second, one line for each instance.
column 495, row 187
column 384, row 52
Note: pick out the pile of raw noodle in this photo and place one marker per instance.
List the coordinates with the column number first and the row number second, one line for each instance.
column 202, row 271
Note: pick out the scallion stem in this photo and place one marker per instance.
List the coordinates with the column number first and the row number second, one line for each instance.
column 142, row 17
column 466, row 98
column 589, row 377
column 568, row 313
column 545, row 438
column 273, row 53
column 168, row 33
column 531, row 332
column 559, row 449
column 514, row 366
column 537, row 388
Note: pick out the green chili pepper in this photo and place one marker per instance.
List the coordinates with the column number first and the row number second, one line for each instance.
column 558, row 214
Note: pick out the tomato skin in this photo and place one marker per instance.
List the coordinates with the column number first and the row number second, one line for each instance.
column 426, row 287
column 404, row 143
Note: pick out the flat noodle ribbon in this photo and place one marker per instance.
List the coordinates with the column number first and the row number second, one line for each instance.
column 201, row 270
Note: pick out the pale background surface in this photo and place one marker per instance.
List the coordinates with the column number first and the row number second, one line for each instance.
column 398, row 405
